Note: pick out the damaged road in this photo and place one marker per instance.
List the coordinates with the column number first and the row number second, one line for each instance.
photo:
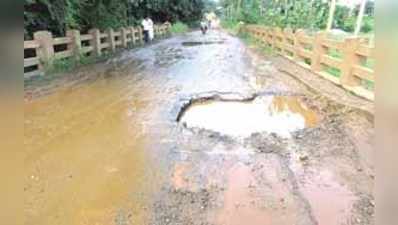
column 194, row 130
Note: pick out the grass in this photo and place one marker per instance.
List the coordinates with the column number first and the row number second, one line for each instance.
column 335, row 53
column 179, row 28
column 231, row 25
column 333, row 71
column 369, row 63
column 59, row 67
column 256, row 43
column 68, row 64
column 369, row 85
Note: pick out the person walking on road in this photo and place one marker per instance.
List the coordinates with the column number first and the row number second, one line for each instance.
column 203, row 27
column 147, row 24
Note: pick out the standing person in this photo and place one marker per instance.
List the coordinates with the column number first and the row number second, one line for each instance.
column 203, row 27
column 147, row 25
column 151, row 32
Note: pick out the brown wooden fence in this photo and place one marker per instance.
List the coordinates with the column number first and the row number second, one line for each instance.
column 44, row 48
column 345, row 62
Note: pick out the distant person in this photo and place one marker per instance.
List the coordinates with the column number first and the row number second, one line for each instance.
column 203, row 27
column 147, row 24
column 151, row 30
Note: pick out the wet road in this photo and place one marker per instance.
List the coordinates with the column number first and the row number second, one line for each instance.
column 110, row 151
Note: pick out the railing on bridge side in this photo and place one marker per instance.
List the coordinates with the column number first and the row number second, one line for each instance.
column 44, row 48
column 347, row 62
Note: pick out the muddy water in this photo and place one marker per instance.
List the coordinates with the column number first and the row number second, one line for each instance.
column 280, row 115
column 108, row 151
column 331, row 201
column 85, row 157
column 237, row 200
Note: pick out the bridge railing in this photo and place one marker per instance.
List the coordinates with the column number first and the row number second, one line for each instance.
column 348, row 62
column 44, row 48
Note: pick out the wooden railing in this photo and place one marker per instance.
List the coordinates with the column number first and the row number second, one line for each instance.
column 345, row 62
column 44, row 48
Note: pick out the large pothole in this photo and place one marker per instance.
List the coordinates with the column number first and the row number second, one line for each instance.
column 281, row 115
column 196, row 43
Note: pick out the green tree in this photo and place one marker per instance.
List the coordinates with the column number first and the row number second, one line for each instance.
column 305, row 14
column 59, row 15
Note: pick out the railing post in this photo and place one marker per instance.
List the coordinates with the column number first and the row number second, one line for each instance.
column 350, row 58
column 263, row 36
column 124, row 37
column 164, row 30
column 266, row 36
column 273, row 35
column 168, row 26
column 133, row 35
column 140, row 35
column 111, row 39
column 285, row 33
column 155, row 31
column 76, row 44
column 279, row 33
column 46, row 50
column 317, row 52
column 95, row 42
column 297, row 45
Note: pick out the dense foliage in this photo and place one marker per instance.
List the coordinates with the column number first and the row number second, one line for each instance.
column 58, row 15
column 296, row 13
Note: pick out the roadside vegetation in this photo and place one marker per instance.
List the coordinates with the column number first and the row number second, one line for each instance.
column 297, row 14
column 179, row 27
column 311, row 16
column 231, row 26
column 58, row 16
column 69, row 64
column 253, row 42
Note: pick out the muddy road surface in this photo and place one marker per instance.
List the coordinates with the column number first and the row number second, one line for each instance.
column 193, row 130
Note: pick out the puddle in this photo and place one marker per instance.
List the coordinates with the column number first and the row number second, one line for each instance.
column 196, row 43
column 238, row 207
column 330, row 202
column 272, row 114
column 86, row 164
column 179, row 178
column 246, row 203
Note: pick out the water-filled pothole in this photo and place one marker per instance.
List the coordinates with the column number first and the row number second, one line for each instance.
column 281, row 115
column 195, row 43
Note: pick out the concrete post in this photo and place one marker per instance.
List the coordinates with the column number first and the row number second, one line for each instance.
column 272, row 37
column 286, row 32
column 297, row 45
column 133, row 37
column 168, row 26
column 278, row 33
column 76, row 44
column 124, row 37
column 350, row 58
column 46, row 50
column 318, row 51
column 156, row 31
column 140, row 35
column 95, row 42
column 111, row 39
